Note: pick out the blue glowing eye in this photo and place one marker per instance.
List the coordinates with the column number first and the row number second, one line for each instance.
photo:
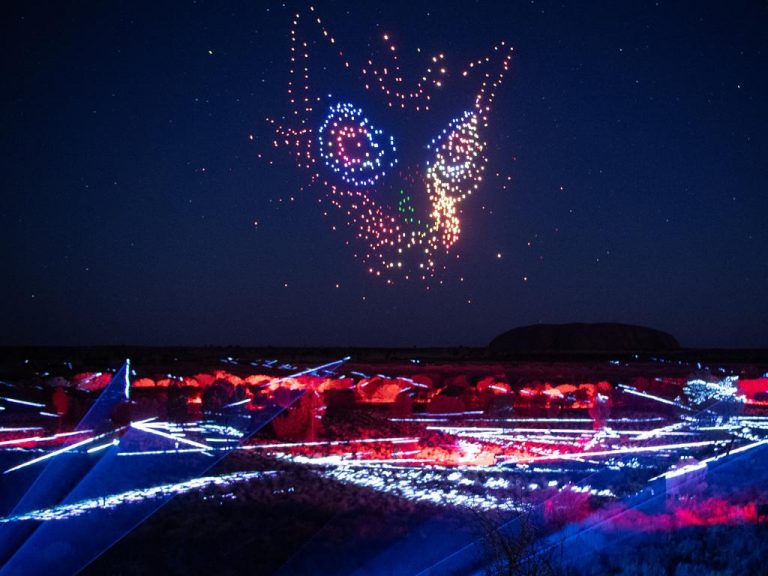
column 353, row 148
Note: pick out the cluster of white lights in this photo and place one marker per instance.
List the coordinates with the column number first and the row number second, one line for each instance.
column 65, row 511
column 700, row 391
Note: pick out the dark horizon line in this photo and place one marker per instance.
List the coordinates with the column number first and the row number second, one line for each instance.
column 681, row 349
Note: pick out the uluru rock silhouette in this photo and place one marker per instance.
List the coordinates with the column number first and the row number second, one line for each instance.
column 581, row 337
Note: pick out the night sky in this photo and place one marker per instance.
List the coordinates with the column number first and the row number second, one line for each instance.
column 143, row 201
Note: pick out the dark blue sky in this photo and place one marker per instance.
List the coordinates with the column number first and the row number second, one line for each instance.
column 634, row 134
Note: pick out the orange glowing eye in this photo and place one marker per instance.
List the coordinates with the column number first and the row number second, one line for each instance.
column 456, row 150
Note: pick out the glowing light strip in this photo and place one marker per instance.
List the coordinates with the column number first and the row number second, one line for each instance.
column 21, row 440
column 612, row 420
column 634, row 392
column 114, row 442
column 22, row 402
column 414, row 383
column 663, row 431
column 418, row 419
column 680, row 471
column 238, row 403
column 163, row 452
column 465, row 413
column 559, row 441
column 735, row 451
column 127, row 390
column 577, row 455
column 43, row 438
column 310, row 370
column 581, row 431
column 145, row 428
column 56, row 452
column 368, row 461
column 398, row 440
column 468, row 429
column 657, row 432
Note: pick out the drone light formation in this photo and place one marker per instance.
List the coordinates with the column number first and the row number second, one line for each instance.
column 353, row 162
column 349, row 146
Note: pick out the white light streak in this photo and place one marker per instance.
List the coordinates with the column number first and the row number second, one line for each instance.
column 43, row 438
column 629, row 450
column 630, row 390
column 56, row 453
column 146, row 428
column 22, row 402
column 165, row 452
column 114, row 442
column 398, row 440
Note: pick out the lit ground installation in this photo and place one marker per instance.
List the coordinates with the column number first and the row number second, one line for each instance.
column 88, row 458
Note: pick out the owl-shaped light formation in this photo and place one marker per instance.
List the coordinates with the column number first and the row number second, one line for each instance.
column 353, row 161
